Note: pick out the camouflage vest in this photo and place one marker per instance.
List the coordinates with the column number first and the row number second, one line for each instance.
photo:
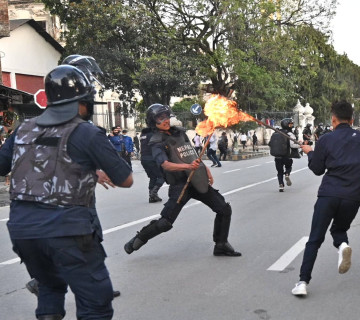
column 42, row 171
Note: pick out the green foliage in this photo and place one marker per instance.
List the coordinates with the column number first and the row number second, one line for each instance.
column 269, row 53
column 184, row 105
column 244, row 126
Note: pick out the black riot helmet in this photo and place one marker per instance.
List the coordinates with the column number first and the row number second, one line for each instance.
column 65, row 86
column 156, row 110
column 86, row 64
column 285, row 124
column 308, row 125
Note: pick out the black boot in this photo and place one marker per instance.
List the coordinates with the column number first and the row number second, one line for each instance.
column 134, row 244
column 225, row 249
column 221, row 233
column 222, row 224
column 150, row 231
column 33, row 286
column 153, row 196
column 50, row 317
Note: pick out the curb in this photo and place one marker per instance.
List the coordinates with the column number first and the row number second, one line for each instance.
column 237, row 157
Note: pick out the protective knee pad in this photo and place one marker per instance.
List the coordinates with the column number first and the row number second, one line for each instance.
column 163, row 225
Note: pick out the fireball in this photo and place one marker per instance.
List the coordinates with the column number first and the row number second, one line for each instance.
column 220, row 112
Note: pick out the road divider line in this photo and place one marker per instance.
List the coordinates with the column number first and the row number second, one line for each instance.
column 126, row 225
column 123, row 226
column 256, row 183
column 232, row 170
column 256, row 165
column 289, row 255
column 12, row 261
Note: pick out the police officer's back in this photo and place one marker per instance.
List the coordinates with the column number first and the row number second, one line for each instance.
column 53, row 222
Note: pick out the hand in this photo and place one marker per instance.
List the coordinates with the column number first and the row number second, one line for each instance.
column 305, row 148
column 104, row 180
column 195, row 164
column 211, row 179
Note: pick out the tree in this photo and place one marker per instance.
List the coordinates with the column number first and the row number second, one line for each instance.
column 268, row 52
column 123, row 38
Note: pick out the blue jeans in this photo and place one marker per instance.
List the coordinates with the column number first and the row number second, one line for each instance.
column 213, row 157
column 75, row 261
column 341, row 212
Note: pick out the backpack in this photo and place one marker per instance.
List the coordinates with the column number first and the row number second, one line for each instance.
column 279, row 145
column 222, row 143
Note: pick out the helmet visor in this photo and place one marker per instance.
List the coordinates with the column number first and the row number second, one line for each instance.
column 159, row 119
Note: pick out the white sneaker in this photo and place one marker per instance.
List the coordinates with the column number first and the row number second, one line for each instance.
column 300, row 289
column 344, row 262
column 288, row 181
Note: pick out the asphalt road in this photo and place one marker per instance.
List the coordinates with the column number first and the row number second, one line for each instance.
column 176, row 277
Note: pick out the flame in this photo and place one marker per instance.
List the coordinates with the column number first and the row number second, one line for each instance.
column 221, row 112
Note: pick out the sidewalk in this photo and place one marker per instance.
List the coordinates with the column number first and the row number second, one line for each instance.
column 245, row 154
column 248, row 153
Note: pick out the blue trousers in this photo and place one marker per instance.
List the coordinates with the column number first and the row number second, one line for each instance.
column 75, row 261
column 341, row 212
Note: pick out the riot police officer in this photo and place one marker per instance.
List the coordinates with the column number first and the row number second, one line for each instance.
column 319, row 132
column 307, row 133
column 287, row 125
column 176, row 157
column 150, row 166
column 53, row 222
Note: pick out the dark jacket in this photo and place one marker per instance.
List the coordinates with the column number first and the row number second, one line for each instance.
column 338, row 154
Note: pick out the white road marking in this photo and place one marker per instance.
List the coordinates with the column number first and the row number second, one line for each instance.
column 256, row 165
column 232, row 170
column 123, row 226
column 12, row 261
column 126, row 225
column 256, row 183
column 289, row 255
column 6, row 219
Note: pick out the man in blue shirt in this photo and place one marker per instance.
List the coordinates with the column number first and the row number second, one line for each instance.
column 129, row 147
column 337, row 154
column 53, row 222
column 117, row 140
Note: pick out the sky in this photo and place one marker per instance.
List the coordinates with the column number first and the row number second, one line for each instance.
column 346, row 28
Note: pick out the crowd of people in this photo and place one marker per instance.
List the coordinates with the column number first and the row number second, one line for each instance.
column 57, row 158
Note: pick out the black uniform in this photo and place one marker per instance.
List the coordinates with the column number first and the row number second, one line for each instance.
column 151, row 168
column 177, row 148
column 306, row 133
